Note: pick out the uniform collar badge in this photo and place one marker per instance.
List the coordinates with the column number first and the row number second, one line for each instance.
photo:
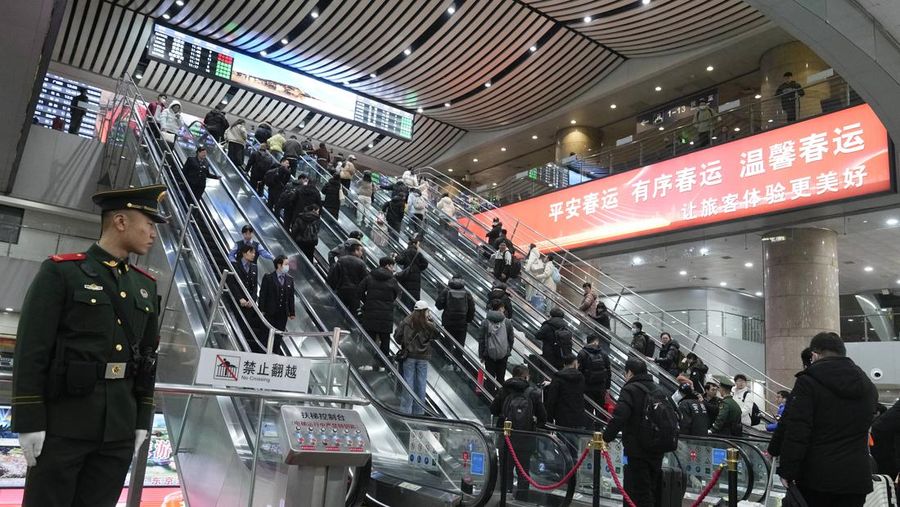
column 144, row 293
column 93, row 286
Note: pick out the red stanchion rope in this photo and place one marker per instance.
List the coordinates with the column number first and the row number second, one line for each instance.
column 708, row 488
column 612, row 471
column 531, row 481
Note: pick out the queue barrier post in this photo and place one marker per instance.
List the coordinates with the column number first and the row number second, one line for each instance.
column 504, row 462
column 598, row 445
column 731, row 461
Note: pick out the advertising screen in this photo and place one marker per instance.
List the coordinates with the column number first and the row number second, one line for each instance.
column 832, row 157
column 211, row 60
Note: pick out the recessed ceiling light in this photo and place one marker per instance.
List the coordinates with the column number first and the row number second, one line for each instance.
column 166, row 16
column 179, row 3
column 714, row 138
column 446, row 104
column 534, row 137
column 868, row 269
column 757, row 96
column 371, row 145
column 532, row 49
column 723, row 284
column 892, row 221
column 494, row 184
column 314, row 14
column 263, row 53
column 302, row 125
column 474, row 160
column 637, row 261
column 645, row 2
column 8, row 309
column 138, row 76
column 407, row 51
column 682, row 273
column 709, row 68
column 224, row 101
column 587, row 19
column 758, row 294
column 770, row 120
column 284, row 42
column 662, row 128
column 451, row 10
column 704, row 251
column 419, row 110
column 450, row 170
column 487, row 85
column 373, row 75
column 658, row 88
column 572, row 122
column 748, row 264
column 612, row 106
column 691, row 143
column 503, row 148
column 737, row 129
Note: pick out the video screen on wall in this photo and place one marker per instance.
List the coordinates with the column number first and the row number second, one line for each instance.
column 213, row 61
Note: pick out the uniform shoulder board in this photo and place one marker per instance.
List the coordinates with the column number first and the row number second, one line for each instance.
column 141, row 271
column 68, row 257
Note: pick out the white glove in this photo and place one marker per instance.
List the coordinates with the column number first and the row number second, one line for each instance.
column 32, row 444
column 139, row 437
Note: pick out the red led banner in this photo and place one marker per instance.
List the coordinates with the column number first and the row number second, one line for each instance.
column 829, row 158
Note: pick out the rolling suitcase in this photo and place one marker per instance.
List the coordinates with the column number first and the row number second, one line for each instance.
column 672, row 487
column 883, row 494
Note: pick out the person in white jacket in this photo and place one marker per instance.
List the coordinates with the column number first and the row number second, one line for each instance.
column 409, row 179
column 445, row 205
column 534, row 267
column 744, row 397
column 543, row 302
column 170, row 121
column 236, row 136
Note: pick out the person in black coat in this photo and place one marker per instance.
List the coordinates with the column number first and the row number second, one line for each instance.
column 248, row 275
column 305, row 231
column 346, row 275
column 216, row 123
column 564, row 397
column 276, row 298
column 332, row 192
column 694, row 418
column 276, row 179
column 593, row 363
column 261, row 161
column 644, row 468
column 498, row 291
column 413, row 263
column 696, row 370
column 668, row 354
column 777, row 439
column 393, row 214
column 458, row 307
column 77, row 110
column 825, row 449
column 556, row 338
column 263, row 133
column 886, row 448
column 378, row 291
column 494, row 233
column 305, row 196
column 196, row 172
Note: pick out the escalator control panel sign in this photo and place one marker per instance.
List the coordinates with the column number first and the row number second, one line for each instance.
column 229, row 368
column 822, row 160
column 322, row 436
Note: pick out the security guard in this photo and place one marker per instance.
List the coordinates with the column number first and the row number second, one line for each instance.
column 85, row 359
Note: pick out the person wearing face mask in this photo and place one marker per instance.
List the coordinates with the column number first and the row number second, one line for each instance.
column 641, row 341
column 276, row 298
column 378, row 291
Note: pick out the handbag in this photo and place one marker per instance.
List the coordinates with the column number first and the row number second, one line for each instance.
column 794, row 498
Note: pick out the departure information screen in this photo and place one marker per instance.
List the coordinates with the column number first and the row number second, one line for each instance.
column 205, row 58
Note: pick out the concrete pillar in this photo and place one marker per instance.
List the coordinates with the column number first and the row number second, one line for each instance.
column 801, row 295
column 800, row 60
column 581, row 140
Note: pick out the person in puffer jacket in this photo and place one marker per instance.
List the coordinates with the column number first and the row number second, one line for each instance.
column 495, row 341
column 458, row 307
column 564, row 397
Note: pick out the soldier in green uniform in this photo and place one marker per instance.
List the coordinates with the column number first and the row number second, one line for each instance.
column 728, row 422
column 85, row 359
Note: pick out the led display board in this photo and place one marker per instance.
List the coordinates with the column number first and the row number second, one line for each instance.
column 829, row 158
column 211, row 60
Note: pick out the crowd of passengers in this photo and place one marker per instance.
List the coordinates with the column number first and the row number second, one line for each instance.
column 826, row 421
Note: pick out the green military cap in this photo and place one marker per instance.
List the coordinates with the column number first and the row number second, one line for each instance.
column 143, row 199
column 726, row 382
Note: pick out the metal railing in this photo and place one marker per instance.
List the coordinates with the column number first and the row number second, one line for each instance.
column 871, row 327
column 26, row 242
column 711, row 322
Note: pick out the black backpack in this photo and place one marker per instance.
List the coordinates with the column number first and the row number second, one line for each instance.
column 286, row 199
column 755, row 413
column 519, row 410
column 561, row 336
column 306, row 232
column 649, row 346
column 457, row 302
column 659, row 428
column 596, row 369
column 515, row 269
column 335, row 276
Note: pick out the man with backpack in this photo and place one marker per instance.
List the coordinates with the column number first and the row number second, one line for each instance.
column 346, row 275
column 694, row 418
column 276, row 180
column 354, row 238
column 413, row 263
column 495, row 341
column 593, row 363
column 670, row 355
column 519, row 402
column 556, row 338
column 641, row 341
column 393, row 214
column 458, row 307
column 564, row 397
column 648, row 421
column 514, row 280
column 498, row 292
column 750, row 414
column 305, row 194
column 305, row 231
column 502, row 260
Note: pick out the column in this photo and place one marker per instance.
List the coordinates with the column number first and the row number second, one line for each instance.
column 798, row 59
column 580, row 140
column 801, row 295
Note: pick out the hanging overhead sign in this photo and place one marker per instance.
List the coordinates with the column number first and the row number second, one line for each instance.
column 833, row 157
column 206, row 58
